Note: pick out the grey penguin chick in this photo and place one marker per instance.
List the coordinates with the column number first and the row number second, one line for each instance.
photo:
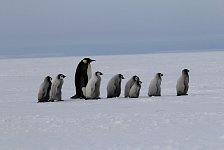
column 92, row 89
column 135, row 89
column 44, row 90
column 155, row 85
column 183, row 83
column 114, row 86
column 55, row 92
column 129, row 84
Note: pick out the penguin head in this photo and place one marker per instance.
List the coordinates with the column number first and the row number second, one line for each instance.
column 87, row 60
column 159, row 75
column 121, row 76
column 139, row 82
column 48, row 78
column 98, row 73
column 61, row 76
column 185, row 71
column 135, row 78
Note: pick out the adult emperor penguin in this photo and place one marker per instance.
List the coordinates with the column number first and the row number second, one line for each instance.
column 82, row 76
column 183, row 83
column 114, row 86
column 55, row 92
column 129, row 84
column 92, row 89
column 44, row 90
column 135, row 89
column 155, row 85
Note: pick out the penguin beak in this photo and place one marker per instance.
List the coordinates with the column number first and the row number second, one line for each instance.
column 161, row 74
column 64, row 76
column 92, row 60
column 122, row 77
column 101, row 73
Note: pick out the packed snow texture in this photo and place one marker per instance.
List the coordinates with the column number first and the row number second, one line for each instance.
column 193, row 122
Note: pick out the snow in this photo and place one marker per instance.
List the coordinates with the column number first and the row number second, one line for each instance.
column 194, row 122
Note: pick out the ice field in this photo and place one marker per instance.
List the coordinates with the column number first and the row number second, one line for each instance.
column 193, row 122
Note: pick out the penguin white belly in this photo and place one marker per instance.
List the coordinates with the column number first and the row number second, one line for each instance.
column 54, row 89
column 89, row 72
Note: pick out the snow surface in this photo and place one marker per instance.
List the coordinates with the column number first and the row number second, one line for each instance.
column 193, row 122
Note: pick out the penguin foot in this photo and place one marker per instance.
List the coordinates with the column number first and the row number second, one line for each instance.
column 182, row 94
column 42, row 101
column 75, row 97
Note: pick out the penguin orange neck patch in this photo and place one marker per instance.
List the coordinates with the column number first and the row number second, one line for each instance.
column 85, row 61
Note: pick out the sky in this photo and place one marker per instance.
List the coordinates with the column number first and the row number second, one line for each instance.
column 88, row 27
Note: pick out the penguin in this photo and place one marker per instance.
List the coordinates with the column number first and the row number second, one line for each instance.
column 135, row 89
column 55, row 92
column 129, row 84
column 92, row 89
column 183, row 83
column 155, row 85
column 82, row 76
column 44, row 90
column 114, row 86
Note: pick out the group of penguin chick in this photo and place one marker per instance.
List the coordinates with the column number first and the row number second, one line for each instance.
column 88, row 85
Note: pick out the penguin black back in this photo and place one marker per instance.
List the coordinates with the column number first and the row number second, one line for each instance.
column 81, row 77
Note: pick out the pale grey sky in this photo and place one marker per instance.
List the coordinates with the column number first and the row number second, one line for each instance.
column 84, row 27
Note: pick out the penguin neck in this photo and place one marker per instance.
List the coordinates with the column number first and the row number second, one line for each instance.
column 89, row 71
column 185, row 74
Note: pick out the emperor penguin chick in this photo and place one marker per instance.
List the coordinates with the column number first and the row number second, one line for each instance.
column 155, row 85
column 82, row 76
column 114, row 86
column 44, row 90
column 135, row 89
column 129, row 84
column 55, row 92
column 183, row 83
column 92, row 89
